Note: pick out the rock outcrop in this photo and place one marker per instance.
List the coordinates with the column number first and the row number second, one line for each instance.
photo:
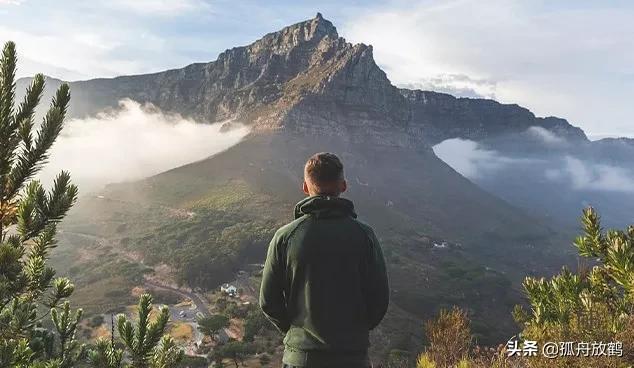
column 306, row 79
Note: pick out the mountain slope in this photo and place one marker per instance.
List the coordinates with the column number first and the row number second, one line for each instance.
column 304, row 90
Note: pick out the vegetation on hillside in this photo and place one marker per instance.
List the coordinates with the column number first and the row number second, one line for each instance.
column 210, row 326
column 587, row 316
column 37, row 325
column 212, row 239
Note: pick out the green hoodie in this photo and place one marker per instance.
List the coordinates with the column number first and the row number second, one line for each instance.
column 324, row 282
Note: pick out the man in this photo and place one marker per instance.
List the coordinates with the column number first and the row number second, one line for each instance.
column 324, row 282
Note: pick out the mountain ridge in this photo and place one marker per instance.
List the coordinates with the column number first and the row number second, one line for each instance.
column 266, row 84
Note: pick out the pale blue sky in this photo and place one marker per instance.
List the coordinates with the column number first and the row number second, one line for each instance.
column 573, row 59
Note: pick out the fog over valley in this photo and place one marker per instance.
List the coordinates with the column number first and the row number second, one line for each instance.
column 131, row 142
column 548, row 174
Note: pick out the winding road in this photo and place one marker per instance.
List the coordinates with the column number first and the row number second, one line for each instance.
column 199, row 301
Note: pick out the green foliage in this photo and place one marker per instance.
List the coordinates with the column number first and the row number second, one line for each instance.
column 424, row 361
column 145, row 343
column 235, row 310
column 254, row 323
column 105, row 355
column 213, row 239
column 28, row 222
column 29, row 215
column 609, row 284
column 594, row 304
column 66, row 322
column 193, row 362
column 235, row 350
column 212, row 324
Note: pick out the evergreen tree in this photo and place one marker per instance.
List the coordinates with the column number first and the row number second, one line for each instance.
column 210, row 326
column 235, row 350
column 29, row 290
column 593, row 304
column 146, row 343
column 607, row 289
column 29, row 215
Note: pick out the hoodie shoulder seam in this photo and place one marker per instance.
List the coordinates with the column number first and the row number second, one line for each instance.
column 293, row 226
column 366, row 229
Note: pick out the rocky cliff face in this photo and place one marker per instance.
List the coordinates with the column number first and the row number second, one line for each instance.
column 443, row 116
column 306, row 79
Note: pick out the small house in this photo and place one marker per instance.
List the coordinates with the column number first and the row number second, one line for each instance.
column 229, row 290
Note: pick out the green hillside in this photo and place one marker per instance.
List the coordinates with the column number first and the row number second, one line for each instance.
column 207, row 220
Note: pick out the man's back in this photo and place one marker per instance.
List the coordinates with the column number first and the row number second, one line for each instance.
column 324, row 281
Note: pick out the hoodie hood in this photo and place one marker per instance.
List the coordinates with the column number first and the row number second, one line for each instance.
column 325, row 207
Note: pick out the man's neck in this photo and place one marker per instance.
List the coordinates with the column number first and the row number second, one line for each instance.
column 325, row 194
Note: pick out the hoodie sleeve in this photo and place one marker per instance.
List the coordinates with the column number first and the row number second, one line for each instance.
column 376, row 283
column 272, row 299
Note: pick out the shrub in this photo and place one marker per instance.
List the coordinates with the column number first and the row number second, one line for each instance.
column 449, row 337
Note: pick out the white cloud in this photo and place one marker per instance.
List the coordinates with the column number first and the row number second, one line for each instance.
column 132, row 142
column 470, row 159
column 160, row 7
column 456, row 84
column 546, row 136
column 71, row 52
column 568, row 59
column 599, row 177
column 475, row 162
column 11, row 2
column 91, row 39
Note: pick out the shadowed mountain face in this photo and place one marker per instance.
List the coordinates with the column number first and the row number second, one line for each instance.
column 543, row 165
column 303, row 90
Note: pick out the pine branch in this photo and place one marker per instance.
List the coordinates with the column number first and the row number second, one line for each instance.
column 61, row 198
column 8, row 62
column 27, row 215
column 26, row 110
column 30, row 161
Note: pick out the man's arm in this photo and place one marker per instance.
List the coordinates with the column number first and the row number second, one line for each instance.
column 272, row 299
column 376, row 283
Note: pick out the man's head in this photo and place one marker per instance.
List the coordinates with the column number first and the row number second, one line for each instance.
column 323, row 175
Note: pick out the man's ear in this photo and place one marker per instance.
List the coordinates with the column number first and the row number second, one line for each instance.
column 343, row 186
column 305, row 187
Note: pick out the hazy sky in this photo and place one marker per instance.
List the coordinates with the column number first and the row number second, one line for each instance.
column 573, row 59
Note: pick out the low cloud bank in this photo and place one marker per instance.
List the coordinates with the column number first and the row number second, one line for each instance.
column 590, row 176
column 470, row 159
column 476, row 162
column 133, row 142
column 546, row 136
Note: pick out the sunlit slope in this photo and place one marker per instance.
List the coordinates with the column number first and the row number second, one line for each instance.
column 208, row 219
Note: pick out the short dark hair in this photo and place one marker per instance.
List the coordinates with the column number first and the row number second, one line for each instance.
column 323, row 168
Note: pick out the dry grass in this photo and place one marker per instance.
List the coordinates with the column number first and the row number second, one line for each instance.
column 182, row 332
column 102, row 331
column 449, row 337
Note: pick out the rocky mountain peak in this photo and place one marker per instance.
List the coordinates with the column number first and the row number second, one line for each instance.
column 306, row 79
column 310, row 31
